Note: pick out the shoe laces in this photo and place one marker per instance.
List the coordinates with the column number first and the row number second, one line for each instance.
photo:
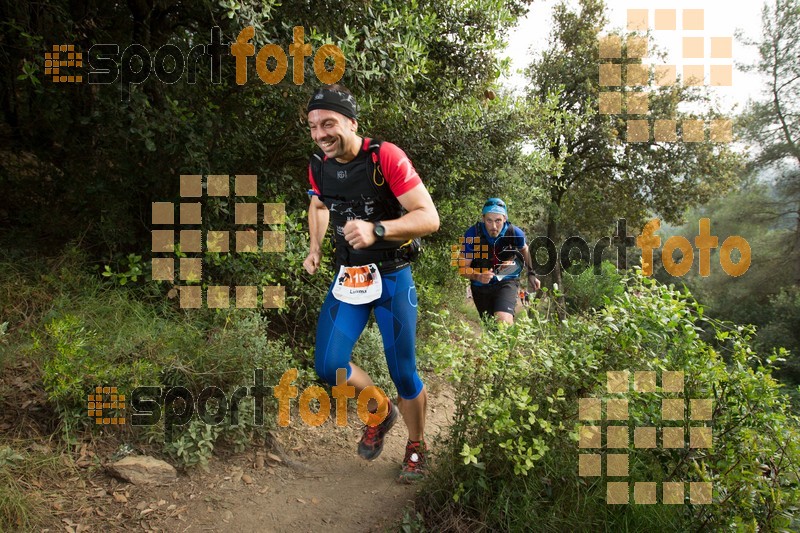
column 371, row 434
column 374, row 433
column 413, row 450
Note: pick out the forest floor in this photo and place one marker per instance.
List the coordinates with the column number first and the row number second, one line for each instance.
column 305, row 479
column 312, row 478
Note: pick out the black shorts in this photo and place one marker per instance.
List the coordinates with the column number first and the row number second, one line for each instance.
column 489, row 299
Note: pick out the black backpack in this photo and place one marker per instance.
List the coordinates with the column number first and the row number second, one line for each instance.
column 409, row 250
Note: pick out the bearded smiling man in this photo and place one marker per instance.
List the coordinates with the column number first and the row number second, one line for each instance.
column 378, row 205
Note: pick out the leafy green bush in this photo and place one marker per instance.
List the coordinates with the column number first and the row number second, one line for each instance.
column 93, row 336
column 195, row 444
column 587, row 291
column 513, row 449
column 133, row 272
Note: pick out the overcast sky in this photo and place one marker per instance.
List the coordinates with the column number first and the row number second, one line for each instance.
column 721, row 19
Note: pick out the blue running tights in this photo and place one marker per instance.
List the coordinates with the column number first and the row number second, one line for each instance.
column 340, row 324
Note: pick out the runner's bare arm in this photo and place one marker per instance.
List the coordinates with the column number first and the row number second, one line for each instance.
column 318, row 217
column 533, row 281
column 526, row 255
column 420, row 220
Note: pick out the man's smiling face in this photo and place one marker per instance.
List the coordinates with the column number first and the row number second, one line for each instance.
column 334, row 133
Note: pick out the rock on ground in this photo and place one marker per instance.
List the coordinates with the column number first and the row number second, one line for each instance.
column 143, row 470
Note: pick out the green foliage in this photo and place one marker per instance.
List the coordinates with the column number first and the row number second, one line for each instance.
column 762, row 296
column 412, row 522
column 79, row 354
column 76, row 364
column 513, row 451
column 151, row 345
column 134, row 270
column 782, row 330
column 773, row 123
column 590, row 174
column 434, row 280
column 227, row 360
column 195, row 445
column 589, row 290
column 8, row 456
column 94, row 174
column 420, row 63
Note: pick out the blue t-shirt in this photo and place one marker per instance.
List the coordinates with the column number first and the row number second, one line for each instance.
column 510, row 238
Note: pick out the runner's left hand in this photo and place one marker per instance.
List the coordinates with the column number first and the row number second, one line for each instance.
column 533, row 283
column 359, row 233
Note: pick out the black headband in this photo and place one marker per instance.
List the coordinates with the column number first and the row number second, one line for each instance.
column 334, row 101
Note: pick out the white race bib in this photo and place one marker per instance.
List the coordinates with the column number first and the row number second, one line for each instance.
column 358, row 284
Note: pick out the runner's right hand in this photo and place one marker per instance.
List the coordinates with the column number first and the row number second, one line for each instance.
column 311, row 264
column 533, row 283
column 484, row 277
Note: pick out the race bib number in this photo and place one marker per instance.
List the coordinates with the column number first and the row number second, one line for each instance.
column 358, row 284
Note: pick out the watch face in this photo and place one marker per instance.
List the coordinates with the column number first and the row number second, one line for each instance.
column 380, row 231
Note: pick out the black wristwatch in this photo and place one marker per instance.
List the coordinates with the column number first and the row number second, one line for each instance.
column 379, row 231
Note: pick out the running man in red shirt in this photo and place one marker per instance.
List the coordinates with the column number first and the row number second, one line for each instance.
column 377, row 204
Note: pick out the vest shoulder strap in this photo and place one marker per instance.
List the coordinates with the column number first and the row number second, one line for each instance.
column 315, row 164
column 374, row 170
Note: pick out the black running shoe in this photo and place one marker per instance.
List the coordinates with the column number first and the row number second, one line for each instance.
column 371, row 444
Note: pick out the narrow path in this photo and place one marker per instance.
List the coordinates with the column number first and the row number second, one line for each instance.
column 328, row 487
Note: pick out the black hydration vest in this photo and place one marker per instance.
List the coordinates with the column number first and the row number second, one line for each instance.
column 357, row 190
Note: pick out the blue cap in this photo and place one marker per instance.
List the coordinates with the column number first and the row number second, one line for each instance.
column 495, row 205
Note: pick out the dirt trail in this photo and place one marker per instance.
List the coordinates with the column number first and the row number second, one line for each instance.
column 317, row 482
column 327, row 487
